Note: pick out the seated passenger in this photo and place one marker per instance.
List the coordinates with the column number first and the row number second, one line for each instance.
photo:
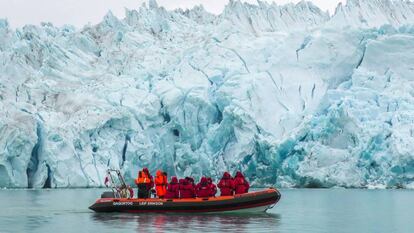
column 144, row 183
column 203, row 188
column 191, row 181
column 173, row 189
column 186, row 189
column 213, row 187
column 240, row 184
column 226, row 185
column 131, row 191
column 161, row 183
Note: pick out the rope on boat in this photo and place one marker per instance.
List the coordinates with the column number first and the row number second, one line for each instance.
column 271, row 206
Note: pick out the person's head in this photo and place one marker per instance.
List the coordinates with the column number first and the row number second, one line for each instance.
column 209, row 180
column 145, row 170
column 189, row 179
column 174, row 180
column 182, row 181
column 203, row 180
column 239, row 174
column 165, row 174
column 159, row 173
column 226, row 175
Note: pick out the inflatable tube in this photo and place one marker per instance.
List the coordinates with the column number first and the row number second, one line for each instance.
column 258, row 201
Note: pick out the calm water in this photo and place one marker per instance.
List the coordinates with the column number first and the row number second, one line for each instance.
column 300, row 210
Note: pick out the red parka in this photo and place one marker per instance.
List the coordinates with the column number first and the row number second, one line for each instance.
column 150, row 185
column 226, row 185
column 131, row 192
column 186, row 189
column 161, row 183
column 173, row 189
column 213, row 187
column 191, row 181
column 203, row 188
column 240, row 184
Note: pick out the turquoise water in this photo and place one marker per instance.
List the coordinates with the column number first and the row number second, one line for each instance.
column 300, row 210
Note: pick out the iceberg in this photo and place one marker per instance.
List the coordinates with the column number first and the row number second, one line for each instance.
column 289, row 95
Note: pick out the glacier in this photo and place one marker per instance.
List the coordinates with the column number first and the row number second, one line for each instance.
column 288, row 94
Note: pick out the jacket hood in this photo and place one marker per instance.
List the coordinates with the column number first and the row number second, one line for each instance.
column 189, row 179
column 239, row 174
column 174, row 180
column 226, row 175
column 145, row 170
column 203, row 180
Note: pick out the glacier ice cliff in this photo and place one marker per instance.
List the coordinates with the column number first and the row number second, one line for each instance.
column 288, row 94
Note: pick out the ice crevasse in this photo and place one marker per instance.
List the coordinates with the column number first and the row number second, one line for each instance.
column 289, row 95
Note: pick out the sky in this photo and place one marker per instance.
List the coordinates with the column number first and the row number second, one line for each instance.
column 81, row 12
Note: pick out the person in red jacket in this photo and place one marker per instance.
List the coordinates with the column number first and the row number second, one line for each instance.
column 151, row 183
column 213, row 187
column 186, row 189
column 203, row 189
column 144, row 183
column 226, row 185
column 161, row 183
column 240, row 184
column 131, row 191
column 173, row 189
column 191, row 181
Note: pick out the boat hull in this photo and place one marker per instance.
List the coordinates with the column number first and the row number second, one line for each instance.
column 252, row 202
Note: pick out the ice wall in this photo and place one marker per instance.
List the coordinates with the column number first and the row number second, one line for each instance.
column 286, row 94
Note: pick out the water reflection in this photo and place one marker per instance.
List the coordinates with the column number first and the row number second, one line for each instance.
column 333, row 210
column 190, row 223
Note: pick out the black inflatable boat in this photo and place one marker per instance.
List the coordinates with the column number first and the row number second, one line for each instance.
column 258, row 201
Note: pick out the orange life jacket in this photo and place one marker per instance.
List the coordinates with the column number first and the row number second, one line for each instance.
column 142, row 178
column 160, row 183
